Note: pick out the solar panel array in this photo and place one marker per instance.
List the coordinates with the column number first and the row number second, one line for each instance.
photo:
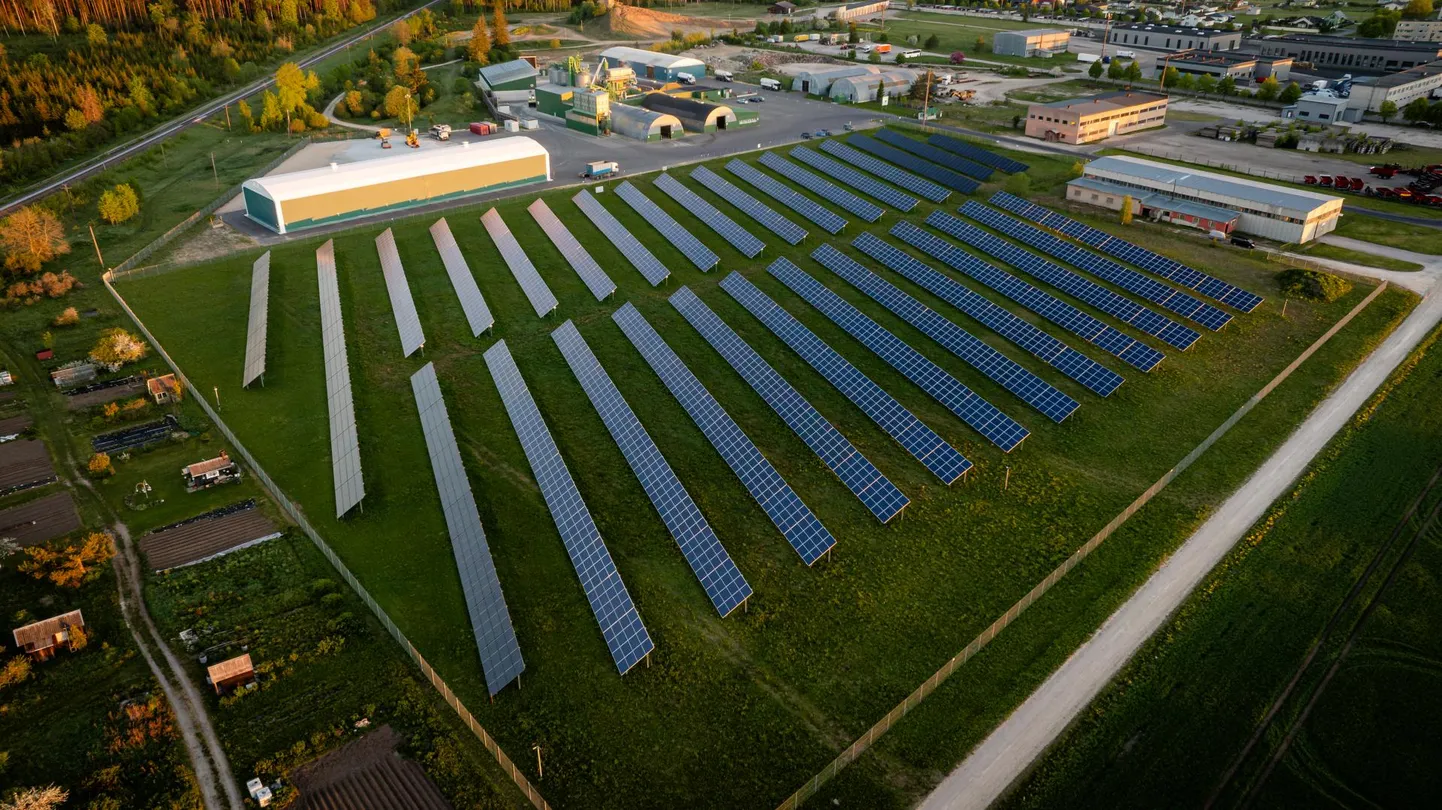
column 943, row 460
column 851, row 177
column 345, row 459
column 1168, row 269
column 490, row 620
column 719, row 576
column 754, row 208
column 255, row 325
column 822, row 188
column 408, row 323
column 1095, row 376
column 824, row 218
column 543, row 301
column 636, row 253
column 859, row 475
column 976, row 153
column 580, row 260
column 982, row 416
column 925, row 168
column 919, row 186
column 1168, row 298
column 611, row 604
column 1042, row 303
column 796, row 522
column 739, row 237
column 1074, row 284
column 478, row 315
column 940, row 157
column 694, row 249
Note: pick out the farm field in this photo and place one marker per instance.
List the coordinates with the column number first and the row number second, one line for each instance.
column 769, row 695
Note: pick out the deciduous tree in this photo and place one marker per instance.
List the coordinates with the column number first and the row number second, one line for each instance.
column 1387, row 110
column 31, row 237
column 479, row 48
column 1095, row 71
column 119, row 204
column 117, row 347
column 500, row 32
column 1290, row 94
column 68, row 565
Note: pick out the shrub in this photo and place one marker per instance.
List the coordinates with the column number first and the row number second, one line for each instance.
column 15, row 671
column 69, row 317
column 100, row 465
column 119, row 204
column 117, row 347
column 1313, row 285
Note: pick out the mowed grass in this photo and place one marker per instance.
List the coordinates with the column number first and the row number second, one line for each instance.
column 733, row 712
column 1323, row 250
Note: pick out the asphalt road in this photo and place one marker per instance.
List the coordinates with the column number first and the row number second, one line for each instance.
column 117, row 153
column 995, row 765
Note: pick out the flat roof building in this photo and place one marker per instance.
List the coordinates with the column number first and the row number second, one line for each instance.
column 1174, row 37
column 1324, row 108
column 1095, row 118
column 1242, row 67
column 1273, row 212
column 1423, row 81
column 517, row 74
column 1418, row 30
column 1349, row 54
column 1035, row 42
column 652, row 65
column 343, row 191
column 855, row 11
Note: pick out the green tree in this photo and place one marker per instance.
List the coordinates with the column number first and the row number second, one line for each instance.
column 1387, row 110
column 874, row 57
column 271, row 115
column 1268, row 89
column 1418, row 10
column 289, row 14
column 1134, row 72
column 851, row 34
column 1116, row 70
column 119, row 204
column 140, row 96
column 1170, row 76
column 932, row 42
column 500, row 32
column 1226, row 86
column 1206, row 84
column 1416, row 111
column 1290, row 94
column 1095, row 71
column 96, row 35
column 1186, row 82
column 247, row 119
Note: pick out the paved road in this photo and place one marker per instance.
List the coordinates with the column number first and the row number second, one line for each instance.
column 995, row 765
column 117, row 153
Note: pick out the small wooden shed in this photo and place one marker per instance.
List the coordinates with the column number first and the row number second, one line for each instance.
column 232, row 674
column 40, row 639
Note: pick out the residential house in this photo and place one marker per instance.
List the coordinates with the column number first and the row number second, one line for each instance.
column 208, row 473
column 41, row 639
column 162, row 389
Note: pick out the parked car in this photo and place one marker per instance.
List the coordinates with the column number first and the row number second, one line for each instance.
column 1244, row 242
column 806, row 136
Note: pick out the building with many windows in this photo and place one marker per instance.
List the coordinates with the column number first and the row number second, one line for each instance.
column 1418, row 30
column 1349, row 54
column 1094, row 118
column 1173, row 38
column 1423, row 81
column 856, row 11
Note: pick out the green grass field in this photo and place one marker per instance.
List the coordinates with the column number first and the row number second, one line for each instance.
column 1326, row 251
column 764, row 698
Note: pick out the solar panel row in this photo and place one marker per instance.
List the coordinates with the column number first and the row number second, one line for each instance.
column 490, row 619
column 822, row 188
column 700, row 255
column 977, row 154
column 739, row 237
column 256, row 322
column 796, row 522
column 824, row 218
column 1069, row 361
column 610, row 602
column 345, row 459
column 943, row 460
column 719, row 576
column 543, row 301
column 408, row 323
column 925, row 168
column 859, row 475
column 1074, row 284
column 1168, row 269
column 919, row 186
column 1042, row 303
column 941, row 157
column 754, row 208
column 851, row 177
column 636, row 253
column 982, row 416
column 478, row 315
column 577, row 256
column 1169, row 298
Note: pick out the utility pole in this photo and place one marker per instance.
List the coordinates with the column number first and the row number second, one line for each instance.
column 213, row 172
column 227, row 117
column 101, row 259
column 1006, row 482
column 926, row 101
column 540, row 772
column 217, row 400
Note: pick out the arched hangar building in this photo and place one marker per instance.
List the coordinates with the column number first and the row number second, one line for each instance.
column 695, row 116
column 343, row 191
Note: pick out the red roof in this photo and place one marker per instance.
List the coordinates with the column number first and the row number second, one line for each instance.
column 45, row 354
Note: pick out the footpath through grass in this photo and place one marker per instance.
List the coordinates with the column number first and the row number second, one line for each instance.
column 766, row 697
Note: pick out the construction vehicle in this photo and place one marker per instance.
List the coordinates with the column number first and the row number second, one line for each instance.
column 413, row 140
column 382, row 135
column 597, row 169
column 441, row 132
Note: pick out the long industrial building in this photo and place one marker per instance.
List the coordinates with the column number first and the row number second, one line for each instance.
column 343, row 191
column 1033, row 42
column 1174, row 37
column 1212, row 202
column 652, row 65
column 1349, row 54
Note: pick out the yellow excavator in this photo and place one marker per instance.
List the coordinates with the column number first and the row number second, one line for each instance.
column 413, row 140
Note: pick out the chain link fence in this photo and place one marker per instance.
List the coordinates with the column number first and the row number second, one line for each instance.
column 1240, row 168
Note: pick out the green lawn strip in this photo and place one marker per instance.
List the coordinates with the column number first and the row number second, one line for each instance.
column 766, row 696
column 1177, row 716
column 1325, row 251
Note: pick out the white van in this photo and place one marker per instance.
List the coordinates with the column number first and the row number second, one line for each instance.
column 724, row 75
column 1126, row 54
column 863, row 49
column 770, row 84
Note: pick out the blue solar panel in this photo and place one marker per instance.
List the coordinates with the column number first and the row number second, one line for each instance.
column 996, row 366
column 792, row 518
column 1069, row 361
column 822, row 188
column 694, row 248
column 978, row 154
column 610, row 602
column 855, row 471
column 720, row 578
column 636, row 253
column 945, row 461
column 925, row 168
column 1083, row 289
column 577, row 256
column 1168, row 269
column 940, row 157
column 1168, row 298
column 851, row 177
column 1044, row 304
column 824, row 218
column 919, row 186
column 752, row 207
column 739, row 237
column 982, row 416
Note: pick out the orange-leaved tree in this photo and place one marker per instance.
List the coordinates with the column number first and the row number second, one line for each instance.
column 70, row 564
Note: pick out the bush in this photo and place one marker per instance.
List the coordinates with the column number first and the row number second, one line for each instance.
column 67, row 318
column 1313, row 285
column 119, row 204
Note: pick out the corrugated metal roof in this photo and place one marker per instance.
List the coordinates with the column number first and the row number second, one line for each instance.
column 351, row 176
column 839, row 72
column 507, row 72
column 664, row 60
column 640, row 116
column 1213, row 212
column 1191, row 179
